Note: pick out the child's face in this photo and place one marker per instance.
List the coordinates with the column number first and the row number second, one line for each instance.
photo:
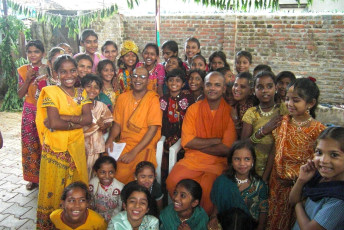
column 92, row 90
column 198, row 63
column 295, row 104
column 183, row 200
column 130, row 59
column 34, row 55
column 75, row 206
column 265, row 89
column 167, row 53
column 110, row 52
column 84, row 67
column 217, row 63
column 68, row 74
column 282, row 86
column 106, row 173
column 242, row 162
column 136, row 207
column 146, row 177
column 229, row 77
column 175, row 84
column 107, row 73
column 90, row 44
column 241, row 89
column 68, row 49
column 242, row 64
column 172, row 63
column 51, row 67
column 150, row 56
column 195, row 82
column 191, row 49
column 329, row 160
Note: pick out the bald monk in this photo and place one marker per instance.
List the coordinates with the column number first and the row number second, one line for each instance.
column 137, row 119
column 207, row 134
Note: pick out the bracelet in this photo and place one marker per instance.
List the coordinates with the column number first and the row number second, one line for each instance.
column 260, row 132
column 70, row 125
column 254, row 139
column 80, row 120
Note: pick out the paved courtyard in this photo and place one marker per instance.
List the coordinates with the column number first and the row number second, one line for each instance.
column 17, row 205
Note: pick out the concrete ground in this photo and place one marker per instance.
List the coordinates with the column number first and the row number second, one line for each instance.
column 17, row 205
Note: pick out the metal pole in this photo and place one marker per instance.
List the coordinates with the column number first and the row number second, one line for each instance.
column 157, row 22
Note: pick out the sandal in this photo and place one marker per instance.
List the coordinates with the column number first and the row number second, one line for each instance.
column 30, row 186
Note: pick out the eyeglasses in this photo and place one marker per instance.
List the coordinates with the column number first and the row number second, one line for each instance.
column 140, row 76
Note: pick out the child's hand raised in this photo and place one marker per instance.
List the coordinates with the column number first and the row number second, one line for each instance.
column 307, row 171
column 272, row 124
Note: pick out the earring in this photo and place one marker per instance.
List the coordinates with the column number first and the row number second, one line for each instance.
column 252, row 165
column 307, row 111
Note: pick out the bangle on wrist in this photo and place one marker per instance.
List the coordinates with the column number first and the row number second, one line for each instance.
column 80, row 120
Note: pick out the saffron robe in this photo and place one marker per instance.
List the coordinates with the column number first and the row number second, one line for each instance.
column 204, row 168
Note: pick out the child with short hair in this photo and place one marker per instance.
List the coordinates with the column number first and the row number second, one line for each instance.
column 138, row 214
column 261, row 67
column 102, row 119
column 169, row 49
column 217, row 60
column 106, row 70
column 185, row 211
column 174, row 63
column 259, row 121
column 145, row 176
column 199, row 62
column 196, row 83
column 74, row 212
column 321, row 183
column 243, row 98
column 105, row 189
column 243, row 61
column 294, row 145
column 156, row 70
column 84, row 66
column 109, row 50
column 66, row 47
column 283, row 79
column 240, row 187
column 227, row 73
column 192, row 47
column 89, row 41
column 126, row 64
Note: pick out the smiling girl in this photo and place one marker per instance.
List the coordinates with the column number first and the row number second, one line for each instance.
column 185, row 212
column 31, row 147
column 74, row 212
column 321, row 183
column 137, row 203
column 156, row 70
column 294, row 143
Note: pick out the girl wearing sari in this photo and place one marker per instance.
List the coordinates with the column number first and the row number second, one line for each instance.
column 31, row 148
column 62, row 111
column 240, row 187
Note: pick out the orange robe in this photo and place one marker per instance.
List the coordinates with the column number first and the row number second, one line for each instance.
column 135, row 117
column 204, row 168
column 293, row 148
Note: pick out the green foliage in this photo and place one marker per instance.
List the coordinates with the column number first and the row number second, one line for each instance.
column 10, row 27
column 245, row 5
column 71, row 21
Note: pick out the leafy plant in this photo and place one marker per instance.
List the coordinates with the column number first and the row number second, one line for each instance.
column 10, row 27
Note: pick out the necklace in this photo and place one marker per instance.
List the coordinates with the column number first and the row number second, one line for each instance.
column 266, row 114
column 240, row 181
column 198, row 97
column 183, row 220
column 299, row 124
column 65, row 91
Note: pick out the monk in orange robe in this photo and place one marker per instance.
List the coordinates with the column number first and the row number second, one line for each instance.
column 137, row 118
column 207, row 134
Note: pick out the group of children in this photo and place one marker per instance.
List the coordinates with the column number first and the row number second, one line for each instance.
column 274, row 118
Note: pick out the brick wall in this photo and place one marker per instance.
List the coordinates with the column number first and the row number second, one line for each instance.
column 308, row 45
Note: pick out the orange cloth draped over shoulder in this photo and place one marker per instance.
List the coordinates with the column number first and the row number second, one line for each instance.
column 134, row 118
column 204, row 168
column 31, row 92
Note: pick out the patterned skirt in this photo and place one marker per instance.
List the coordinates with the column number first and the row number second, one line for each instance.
column 58, row 170
column 31, row 147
